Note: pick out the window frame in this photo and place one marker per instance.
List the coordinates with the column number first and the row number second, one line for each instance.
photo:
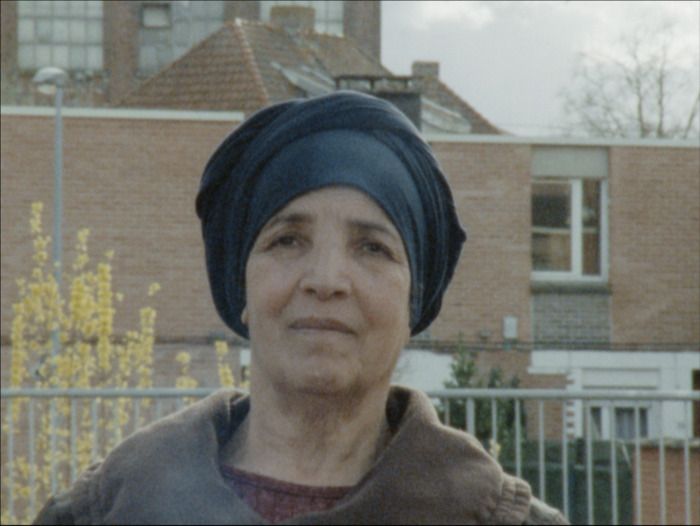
column 53, row 46
column 606, row 420
column 576, row 248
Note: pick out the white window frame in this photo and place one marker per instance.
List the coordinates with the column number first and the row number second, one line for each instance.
column 605, row 419
column 576, row 272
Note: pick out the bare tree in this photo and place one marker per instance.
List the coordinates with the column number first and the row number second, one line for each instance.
column 643, row 88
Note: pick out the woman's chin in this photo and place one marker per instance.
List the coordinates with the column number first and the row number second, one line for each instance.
column 321, row 376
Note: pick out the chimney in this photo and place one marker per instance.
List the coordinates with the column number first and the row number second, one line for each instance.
column 399, row 90
column 423, row 68
column 293, row 18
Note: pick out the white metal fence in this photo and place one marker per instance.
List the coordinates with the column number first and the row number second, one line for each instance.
column 607, row 482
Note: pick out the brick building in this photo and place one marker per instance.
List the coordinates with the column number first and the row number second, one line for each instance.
column 131, row 176
column 109, row 48
column 216, row 55
column 582, row 268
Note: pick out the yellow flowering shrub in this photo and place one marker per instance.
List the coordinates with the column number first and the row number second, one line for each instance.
column 89, row 356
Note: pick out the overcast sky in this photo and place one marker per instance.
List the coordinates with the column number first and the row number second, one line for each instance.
column 510, row 60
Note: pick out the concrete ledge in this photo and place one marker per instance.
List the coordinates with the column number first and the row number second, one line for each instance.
column 574, row 287
column 562, row 141
column 124, row 113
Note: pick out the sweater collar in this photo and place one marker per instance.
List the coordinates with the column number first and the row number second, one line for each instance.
column 428, row 473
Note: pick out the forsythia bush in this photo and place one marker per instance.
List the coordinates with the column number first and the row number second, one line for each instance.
column 89, row 357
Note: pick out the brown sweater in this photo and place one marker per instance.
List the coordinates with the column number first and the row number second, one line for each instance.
column 168, row 473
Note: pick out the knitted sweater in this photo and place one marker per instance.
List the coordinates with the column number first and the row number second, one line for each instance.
column 168, row 473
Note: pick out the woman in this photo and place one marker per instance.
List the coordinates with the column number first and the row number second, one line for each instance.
column 330, row 236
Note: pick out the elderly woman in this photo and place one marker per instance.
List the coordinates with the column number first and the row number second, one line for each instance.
column 330, row 236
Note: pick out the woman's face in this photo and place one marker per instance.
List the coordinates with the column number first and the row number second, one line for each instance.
column 328, row 286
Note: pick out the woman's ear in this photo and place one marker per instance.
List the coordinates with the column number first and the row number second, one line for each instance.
column 244, row 316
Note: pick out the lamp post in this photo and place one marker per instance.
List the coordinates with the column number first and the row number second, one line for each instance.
column 51, row 81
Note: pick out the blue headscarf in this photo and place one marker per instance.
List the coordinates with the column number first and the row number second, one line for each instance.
column 342, row 139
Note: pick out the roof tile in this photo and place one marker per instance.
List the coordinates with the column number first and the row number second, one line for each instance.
column 242, row 66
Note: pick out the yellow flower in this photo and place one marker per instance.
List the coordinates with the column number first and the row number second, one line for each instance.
column 153, row 288
column 225, row 375
column 221, row 349
column 183, row 358
column 35, row 222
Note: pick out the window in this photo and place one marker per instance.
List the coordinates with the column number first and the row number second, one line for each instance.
column 170, row 29
column 328, row 13
column 569, row 213
column 155, row 15
column 625, row 425
column 65, row 34
column 566, row 228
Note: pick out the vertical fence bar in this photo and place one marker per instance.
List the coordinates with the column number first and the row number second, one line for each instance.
column 471, row 426
column 613, row 462
column 446, row 401
column 52, row 447
column 540, row 433
column 466, row 415
column 32, row 459
column 73, row 439
column 518, row 459
column 117, row 422
column 564, row 461
column 95, row 438
column 686, row 460
column 494, row 424
column 638, row 466
column 137, row 412
column 11, row 456
column 159, row 408
column 662, row 473
column 180, row 403
column 589, row 463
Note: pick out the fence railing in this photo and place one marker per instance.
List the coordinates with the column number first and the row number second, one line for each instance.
column 584, row 468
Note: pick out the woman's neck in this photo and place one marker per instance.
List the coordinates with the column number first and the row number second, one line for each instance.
column 308, row 438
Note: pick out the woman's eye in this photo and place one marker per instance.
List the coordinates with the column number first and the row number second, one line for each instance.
column 286, row 240
column 376, row 248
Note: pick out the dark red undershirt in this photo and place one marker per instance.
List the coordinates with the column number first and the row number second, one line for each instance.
column 277, row 500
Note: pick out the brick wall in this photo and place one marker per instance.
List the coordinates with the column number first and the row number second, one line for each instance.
column 121, row 47
column 571, row 317
column 133, row 183
column 655, row 244
column 674, row 480
column 491, row 187
column 362, row 21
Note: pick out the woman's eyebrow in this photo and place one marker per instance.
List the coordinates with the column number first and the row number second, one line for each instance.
column 371, row 226
column 294, row 218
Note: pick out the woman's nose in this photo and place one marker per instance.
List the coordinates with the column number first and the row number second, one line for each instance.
column 326, row 275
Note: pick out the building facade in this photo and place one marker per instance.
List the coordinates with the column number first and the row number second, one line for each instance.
column 630, row 215
column 109, row 48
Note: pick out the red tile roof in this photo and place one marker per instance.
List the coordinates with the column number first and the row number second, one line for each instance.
column 246, row 65
column 219, row 73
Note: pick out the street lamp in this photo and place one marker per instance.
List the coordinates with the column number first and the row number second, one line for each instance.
column 50, row 81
